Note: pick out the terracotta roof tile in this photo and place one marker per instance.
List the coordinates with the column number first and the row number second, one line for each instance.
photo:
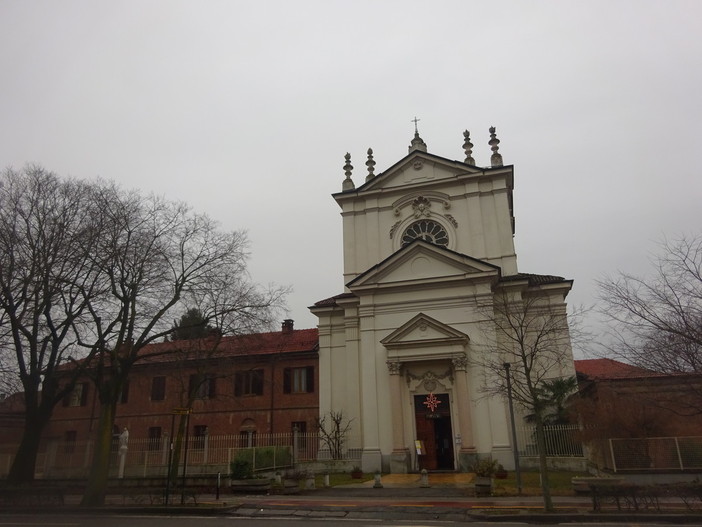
column 295, row 341
column 535, row 279
column 331, row 301
column 611, row 369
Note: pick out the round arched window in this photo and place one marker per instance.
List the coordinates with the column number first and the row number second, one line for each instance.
column 427, row 230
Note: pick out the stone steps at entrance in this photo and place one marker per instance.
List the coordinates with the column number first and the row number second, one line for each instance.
column 436, row 479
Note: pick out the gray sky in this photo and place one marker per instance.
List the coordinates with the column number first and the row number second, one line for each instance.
column 246, row 109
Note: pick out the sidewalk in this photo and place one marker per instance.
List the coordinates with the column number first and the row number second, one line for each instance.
column 449, row 497
column 412, row 503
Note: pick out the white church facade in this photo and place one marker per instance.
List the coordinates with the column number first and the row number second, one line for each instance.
column 428, row 244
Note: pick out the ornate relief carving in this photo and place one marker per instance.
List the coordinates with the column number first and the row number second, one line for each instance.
column 394, row 367
column 429, row 379
column 421, row 207
column 452, row 220
column 429, row 196
column 418, row 164
column 430, row 385
column 394, row 227
column 460, row 362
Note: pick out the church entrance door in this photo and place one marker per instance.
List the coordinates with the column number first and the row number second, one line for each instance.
column 433, row 420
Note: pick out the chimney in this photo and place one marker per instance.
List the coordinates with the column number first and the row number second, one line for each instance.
column 288, row 324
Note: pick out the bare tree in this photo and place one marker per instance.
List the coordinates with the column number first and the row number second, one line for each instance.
column 233, row 308
column 527, row 329
column 155, row 257
column 333, row 431
column 46, row 278
column 657, row 319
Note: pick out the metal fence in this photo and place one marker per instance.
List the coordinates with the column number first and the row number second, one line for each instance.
column 561, row 441
column 655, row 453
column 205, row 454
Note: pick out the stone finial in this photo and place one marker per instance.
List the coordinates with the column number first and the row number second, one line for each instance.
column 348, row 167
column 417, row 144
column 468, row 147
column 371, row 165
column 496, row 158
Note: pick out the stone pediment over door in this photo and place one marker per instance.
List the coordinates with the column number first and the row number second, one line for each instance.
column 423, row 262
column 425, row 338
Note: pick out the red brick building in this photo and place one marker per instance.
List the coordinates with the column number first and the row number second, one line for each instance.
column 628, row 401
column 253, row 384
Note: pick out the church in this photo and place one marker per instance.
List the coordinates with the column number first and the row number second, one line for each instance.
column 428, row 244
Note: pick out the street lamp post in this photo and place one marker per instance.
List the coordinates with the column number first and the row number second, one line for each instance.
column 515, row 450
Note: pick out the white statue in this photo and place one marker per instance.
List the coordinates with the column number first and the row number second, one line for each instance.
column 124, row 438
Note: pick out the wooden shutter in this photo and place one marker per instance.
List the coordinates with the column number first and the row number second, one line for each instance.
column 287, row 380
column 310, row 379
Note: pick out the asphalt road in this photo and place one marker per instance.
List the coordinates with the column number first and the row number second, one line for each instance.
column 122, row 520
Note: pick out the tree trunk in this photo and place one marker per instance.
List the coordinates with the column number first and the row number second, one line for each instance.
column 24, row 464
column 177, row 447
column 94, row 495
column 543, row 466
column 38, row 407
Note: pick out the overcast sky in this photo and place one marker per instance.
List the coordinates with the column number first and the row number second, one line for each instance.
column 246, row 109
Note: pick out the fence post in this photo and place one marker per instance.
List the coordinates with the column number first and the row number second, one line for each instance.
column 677, row 449
column 611, row 451
column 165, row 447
column 296, row 440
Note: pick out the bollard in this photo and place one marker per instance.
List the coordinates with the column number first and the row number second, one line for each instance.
column 326, row 481
column 377, row 484
column 424, row 479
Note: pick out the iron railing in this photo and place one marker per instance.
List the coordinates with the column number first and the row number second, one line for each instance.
column 205, row 454
column 654, row 454
column 561, row 441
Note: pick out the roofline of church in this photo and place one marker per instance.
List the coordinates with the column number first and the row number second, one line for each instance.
column 364, row 187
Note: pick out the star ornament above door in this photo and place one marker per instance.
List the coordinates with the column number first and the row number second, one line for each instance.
column 432, row 402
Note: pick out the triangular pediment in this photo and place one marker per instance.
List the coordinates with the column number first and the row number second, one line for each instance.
column 419, row 167
column 423, row 331
column 425, row 262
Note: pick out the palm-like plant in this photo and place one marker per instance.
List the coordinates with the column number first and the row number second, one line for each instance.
column 553, row 400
